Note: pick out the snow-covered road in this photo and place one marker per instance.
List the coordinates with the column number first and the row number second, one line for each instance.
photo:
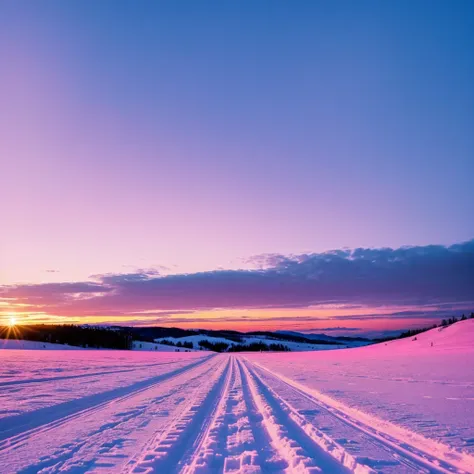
column 200, row 413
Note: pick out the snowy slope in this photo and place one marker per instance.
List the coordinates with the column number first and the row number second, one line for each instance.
column 351, row 342
column 293, row 346
column 156, row 347
column 195, row 339
column 366, row 410
column 428, row 390
column 20, row 344
column 458, row 337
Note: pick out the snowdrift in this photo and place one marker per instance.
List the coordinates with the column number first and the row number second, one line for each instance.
column 458, row 337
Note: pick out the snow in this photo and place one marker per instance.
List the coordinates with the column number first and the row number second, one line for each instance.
column 398, row 407
column 195, row 339
column 427, row 390
column 33, row 345
column 458, row 338
column 154, row 346
column 33, row 380
column 293, row 346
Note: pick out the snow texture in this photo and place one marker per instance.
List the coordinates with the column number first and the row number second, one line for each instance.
column 402, row 407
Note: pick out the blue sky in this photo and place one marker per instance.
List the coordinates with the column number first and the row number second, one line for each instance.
column 192, row 136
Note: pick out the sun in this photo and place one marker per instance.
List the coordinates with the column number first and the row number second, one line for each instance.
column 12, row 321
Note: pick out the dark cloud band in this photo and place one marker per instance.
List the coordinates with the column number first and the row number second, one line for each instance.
column 428, row 275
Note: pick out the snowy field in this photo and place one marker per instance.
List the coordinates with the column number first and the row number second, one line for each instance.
column 290, row 345
column 401, row 407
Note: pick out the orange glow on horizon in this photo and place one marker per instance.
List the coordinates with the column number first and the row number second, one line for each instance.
column 310, row 319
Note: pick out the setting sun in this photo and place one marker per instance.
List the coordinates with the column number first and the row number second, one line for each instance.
column 12, row 321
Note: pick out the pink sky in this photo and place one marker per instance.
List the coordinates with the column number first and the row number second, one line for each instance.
column 348, row 291
column 187, row 142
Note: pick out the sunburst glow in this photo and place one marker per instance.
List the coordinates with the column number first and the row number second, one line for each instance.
column 12, row 321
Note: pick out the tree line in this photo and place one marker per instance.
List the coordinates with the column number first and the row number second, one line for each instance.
column 415, row 332
column 79, row 336
column 447, row 322
column 187, row 345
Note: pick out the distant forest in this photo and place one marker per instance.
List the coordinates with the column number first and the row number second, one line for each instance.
column 79, row 336
column 225, row 347
column 121, row 337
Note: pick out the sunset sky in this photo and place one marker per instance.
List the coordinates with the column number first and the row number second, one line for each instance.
column 301, row 165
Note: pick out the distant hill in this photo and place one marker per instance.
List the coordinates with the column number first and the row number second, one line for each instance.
column 152, row 333
column 224, row 340
column 456, row 337
column 325, row 337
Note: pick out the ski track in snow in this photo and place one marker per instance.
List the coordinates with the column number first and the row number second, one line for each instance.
column 208, row 414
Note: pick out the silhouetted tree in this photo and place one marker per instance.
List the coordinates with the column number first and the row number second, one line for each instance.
column 214, row 346
column 80, row 336
column 258, row 347
column 166, row 342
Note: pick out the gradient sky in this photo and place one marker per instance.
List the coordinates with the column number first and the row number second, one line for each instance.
column 189, row 137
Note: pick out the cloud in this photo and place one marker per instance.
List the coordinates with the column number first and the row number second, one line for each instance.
column 400, row 315
column 428, row 275
column 48, row 291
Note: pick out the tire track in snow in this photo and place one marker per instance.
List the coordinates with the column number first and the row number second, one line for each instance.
column 229, row 445
column 222, row 414
column 169, row 451
column 242, row 454
column 79, row 376
column 269, row 458
column 107, row 439
column 347, row 439
column 113, row 431
column 17, row 428
column 292, row 443
column 208, row 452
